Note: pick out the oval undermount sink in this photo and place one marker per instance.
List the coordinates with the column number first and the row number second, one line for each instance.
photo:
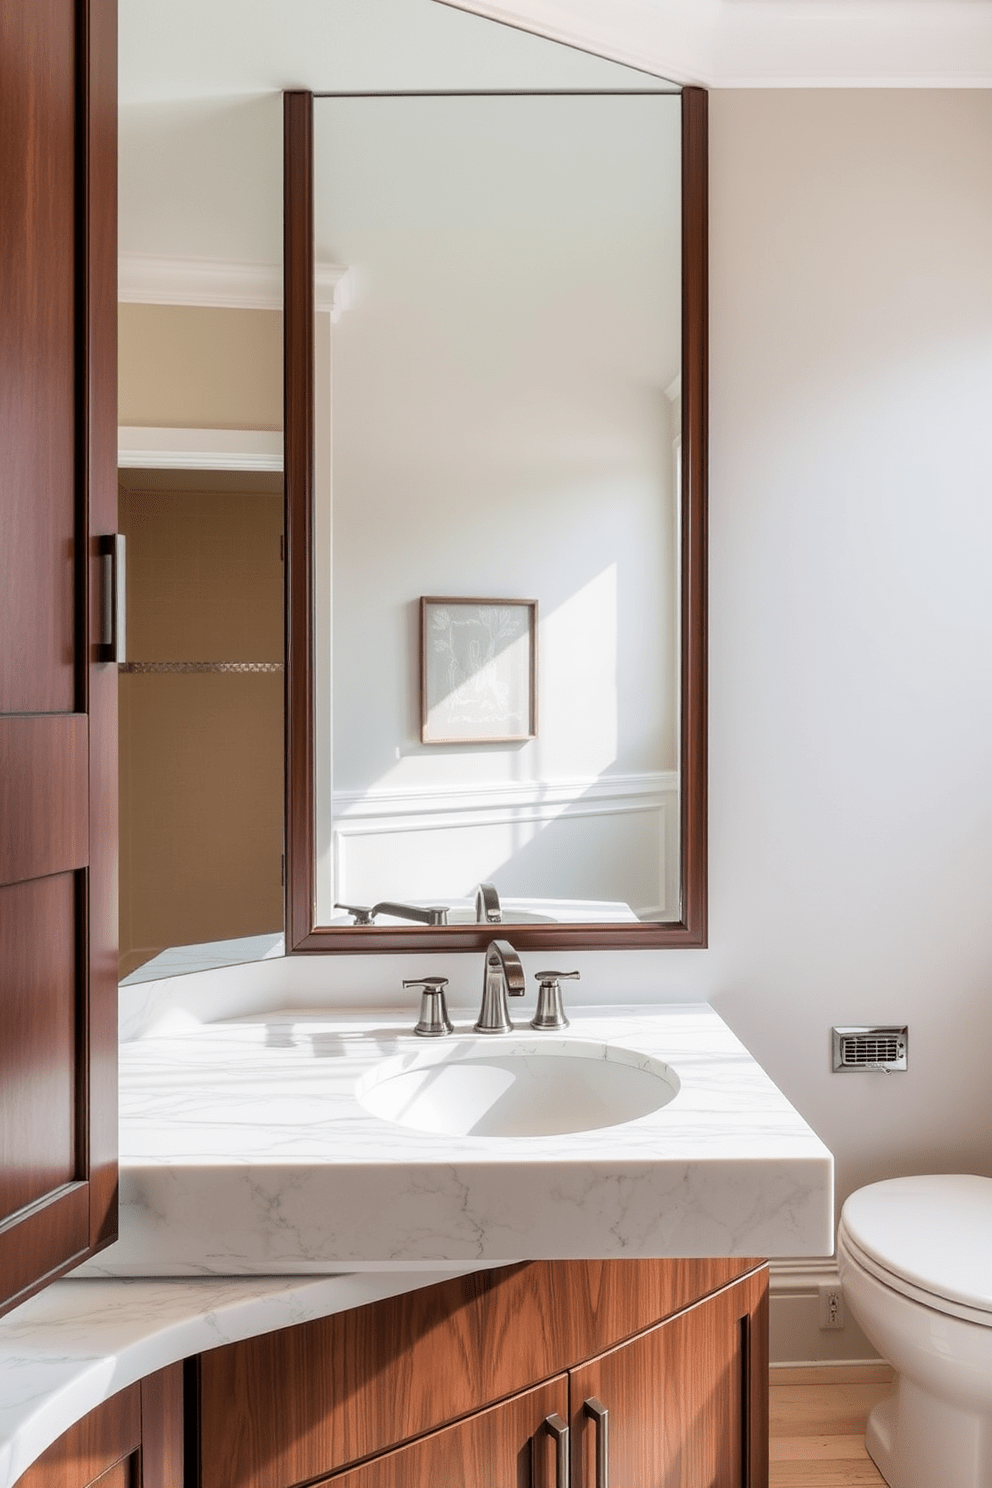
column 486, row 1088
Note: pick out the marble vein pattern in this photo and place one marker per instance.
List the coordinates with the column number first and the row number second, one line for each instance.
column 79, row 1342
column 244, row 1149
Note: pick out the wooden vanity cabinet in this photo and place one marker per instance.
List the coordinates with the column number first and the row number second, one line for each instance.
column 451, row 1386
column 132, row 1440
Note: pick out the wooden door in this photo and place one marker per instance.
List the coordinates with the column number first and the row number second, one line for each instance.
column 511, row 1445
column 58, row 806
column 685, row 1403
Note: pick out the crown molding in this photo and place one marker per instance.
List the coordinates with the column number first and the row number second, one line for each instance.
column 198, row 449
column 147, row 280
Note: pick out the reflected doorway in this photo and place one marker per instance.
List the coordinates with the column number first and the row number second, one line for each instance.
column 201, row 720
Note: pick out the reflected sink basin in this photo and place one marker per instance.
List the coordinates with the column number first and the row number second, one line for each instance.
column 488, row 1087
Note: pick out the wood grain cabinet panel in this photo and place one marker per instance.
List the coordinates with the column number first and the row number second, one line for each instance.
column 507, row 1445
column 673, row 1407
column 58, row 700
column 294, row 1406
column 132, row 1440
column 109, row 1436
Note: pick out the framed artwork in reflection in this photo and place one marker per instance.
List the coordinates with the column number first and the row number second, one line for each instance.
column 478, row 670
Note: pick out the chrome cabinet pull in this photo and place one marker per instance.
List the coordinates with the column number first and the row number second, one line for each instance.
column 113, row 599
column 600, row 1414
column 558, row 1431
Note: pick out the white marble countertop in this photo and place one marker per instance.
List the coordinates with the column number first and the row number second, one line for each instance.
column 244, row 1150
column 238, row 1134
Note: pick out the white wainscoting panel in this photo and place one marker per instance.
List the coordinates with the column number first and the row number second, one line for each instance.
column 604, row 837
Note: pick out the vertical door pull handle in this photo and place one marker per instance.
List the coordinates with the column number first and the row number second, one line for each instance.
column 601, row 1415
column 558, row 1431
column 113, row 598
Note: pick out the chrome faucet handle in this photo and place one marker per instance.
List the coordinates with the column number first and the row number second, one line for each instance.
column 434, row 1020
column 550, row 1011
column 364, row 913
column 487, row 906
column 502, row 975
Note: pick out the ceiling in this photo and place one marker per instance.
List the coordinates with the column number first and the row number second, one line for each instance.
column 206, row 48
column 201, row 80
column 775, row 43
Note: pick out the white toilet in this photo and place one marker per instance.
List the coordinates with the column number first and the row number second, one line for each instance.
column 915, row 1260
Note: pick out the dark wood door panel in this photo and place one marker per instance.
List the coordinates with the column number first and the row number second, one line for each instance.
column 108, row 1438
column 163, row 1429
column 38, row 395
column 40, row 1243
column 132, row 1440
column 294, row 1405
column 38, row 956
column 680, row 1400
column 58, row 769
column 43, row 795
column 505, row 1445
column 98, row 400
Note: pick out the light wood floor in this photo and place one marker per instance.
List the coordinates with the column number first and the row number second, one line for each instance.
column 818, row 1426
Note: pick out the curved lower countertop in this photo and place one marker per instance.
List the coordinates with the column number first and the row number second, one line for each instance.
column 65, row 1351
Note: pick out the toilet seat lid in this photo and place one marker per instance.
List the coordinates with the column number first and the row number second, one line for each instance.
column 934, row 1232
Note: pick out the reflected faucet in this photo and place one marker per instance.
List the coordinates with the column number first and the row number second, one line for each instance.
column 430, row 914
column 503, row 975
column 488, row 910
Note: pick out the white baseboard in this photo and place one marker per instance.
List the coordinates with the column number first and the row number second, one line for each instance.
column 795, row 1335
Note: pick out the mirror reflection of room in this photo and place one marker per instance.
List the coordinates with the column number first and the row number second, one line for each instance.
column 201, row 690
column 501, row 403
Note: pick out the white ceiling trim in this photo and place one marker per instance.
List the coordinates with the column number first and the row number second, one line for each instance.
column 772, row 43
column 145, row 280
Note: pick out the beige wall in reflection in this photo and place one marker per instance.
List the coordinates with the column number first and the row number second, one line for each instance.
column 201, row 755
column 197, row 367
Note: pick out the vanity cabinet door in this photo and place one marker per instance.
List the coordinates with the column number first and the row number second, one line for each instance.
column 58, row 699
column 683, row 1405
column 132, row 1440
column 511, row 1445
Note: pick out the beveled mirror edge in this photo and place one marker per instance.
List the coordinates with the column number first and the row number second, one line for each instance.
column 303, row 934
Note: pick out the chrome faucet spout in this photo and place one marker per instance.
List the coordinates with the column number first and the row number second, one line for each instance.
column 487, row 905
column 503, row 976
column 423, row 914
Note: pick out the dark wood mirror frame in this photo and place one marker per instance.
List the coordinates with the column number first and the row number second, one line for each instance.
column 303, row 934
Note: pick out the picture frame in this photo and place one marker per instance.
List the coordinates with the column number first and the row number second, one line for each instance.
column 478, row 670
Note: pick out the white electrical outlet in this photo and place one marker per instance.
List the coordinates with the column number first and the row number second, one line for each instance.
column 831, row 1307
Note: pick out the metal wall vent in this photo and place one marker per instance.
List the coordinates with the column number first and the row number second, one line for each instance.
column 871, row 1048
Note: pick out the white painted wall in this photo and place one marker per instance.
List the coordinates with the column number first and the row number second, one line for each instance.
column 851, row 607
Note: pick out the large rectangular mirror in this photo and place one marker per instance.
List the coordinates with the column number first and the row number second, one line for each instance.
column 495, row 424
